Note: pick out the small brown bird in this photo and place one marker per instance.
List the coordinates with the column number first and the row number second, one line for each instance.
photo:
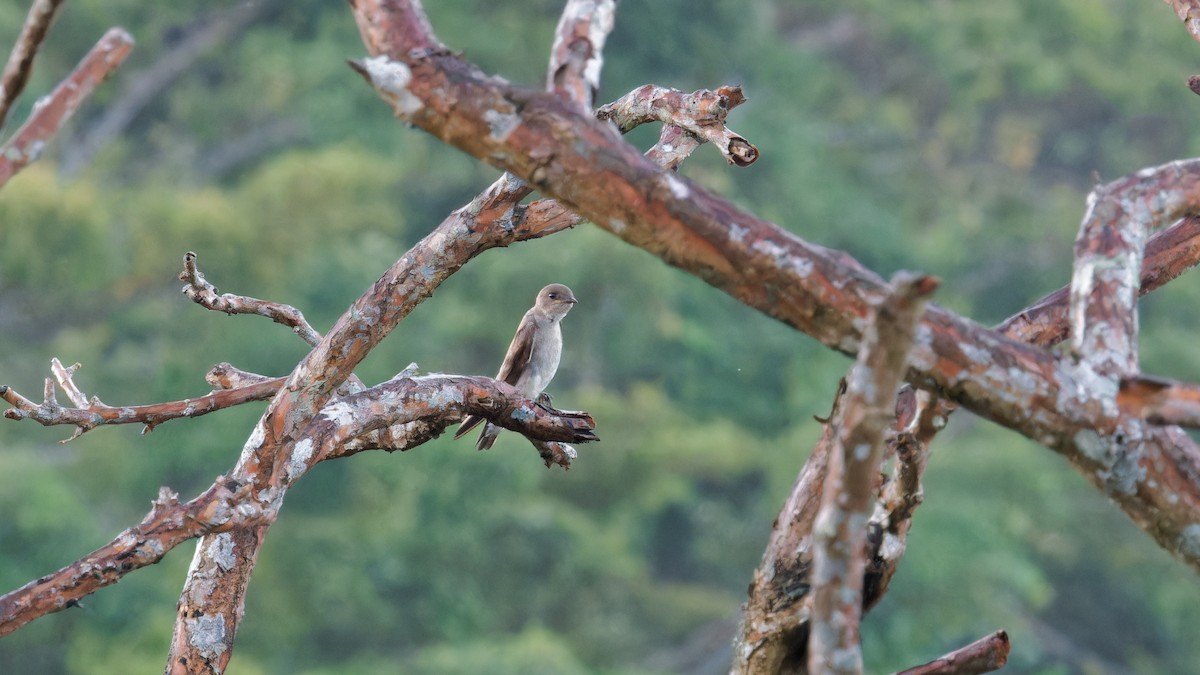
column 532, row 358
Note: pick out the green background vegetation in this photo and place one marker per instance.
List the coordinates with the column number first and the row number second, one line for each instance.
column 956, row 138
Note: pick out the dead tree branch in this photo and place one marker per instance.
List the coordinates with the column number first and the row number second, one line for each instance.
column 483, row 224
column 701, row 113
column 20, row 61
column 89, row 414
column 49, row 114
column 200, row 291
column 231, row 506
column 1160, row 401
column 1169, row 253
column 824, row 293
column 985, row 655
column 852, row 477
column 224, row 506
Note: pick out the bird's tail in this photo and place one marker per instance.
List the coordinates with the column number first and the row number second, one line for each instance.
column 486, row 438
column 467, row 425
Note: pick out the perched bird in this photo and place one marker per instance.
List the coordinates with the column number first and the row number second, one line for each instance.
column 532, row 358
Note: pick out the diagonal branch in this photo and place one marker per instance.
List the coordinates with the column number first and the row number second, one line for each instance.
column 224, row 506
column 987, row 654
column 50, row 113
column 20, row 61
column 824, row 293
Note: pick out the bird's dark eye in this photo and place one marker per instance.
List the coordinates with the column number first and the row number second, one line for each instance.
column 554, row 296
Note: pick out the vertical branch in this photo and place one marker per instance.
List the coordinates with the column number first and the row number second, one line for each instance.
column 851, row 481
column 50, row 113
column 20, row 61
column 575, row 57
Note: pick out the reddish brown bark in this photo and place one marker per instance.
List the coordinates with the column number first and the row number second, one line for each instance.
column 48, row 116
column 985, row 655
column 20, row 60
column 821, row 292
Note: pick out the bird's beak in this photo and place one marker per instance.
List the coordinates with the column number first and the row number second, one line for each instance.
column 570, row 301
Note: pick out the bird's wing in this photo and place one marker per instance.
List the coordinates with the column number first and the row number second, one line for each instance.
column 516, row 361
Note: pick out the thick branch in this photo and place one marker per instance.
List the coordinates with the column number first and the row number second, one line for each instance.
column 852, row 477
column 824, row 293
column 224, row 506
column 773, row 636
column 20, row 61
column 50, row 113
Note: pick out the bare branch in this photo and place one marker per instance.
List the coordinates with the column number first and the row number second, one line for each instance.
column 824, row 293
column 701, row 113
column 985, row 655
column 89, row 414
column 853, row 473
column 1188, row 12
column 438, row 401
column 50, row 113
column 575, row 57
column 1108, row 257
column 20, row 61
column 1168, row 254
column 203, row 293
column 1160, row 401
column 222, row 507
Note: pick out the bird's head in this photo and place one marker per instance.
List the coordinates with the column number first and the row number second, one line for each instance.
column 556, row 300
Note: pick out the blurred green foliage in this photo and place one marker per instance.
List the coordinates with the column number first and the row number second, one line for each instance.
column 955, row 138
